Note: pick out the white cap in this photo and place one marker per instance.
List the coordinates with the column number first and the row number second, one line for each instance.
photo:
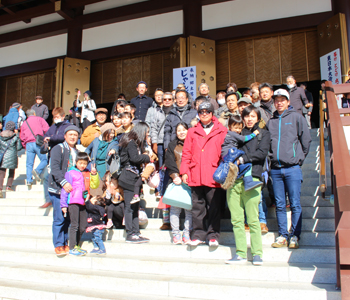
column 281, row 92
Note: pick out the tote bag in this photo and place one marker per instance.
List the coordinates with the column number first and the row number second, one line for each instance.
column 178, row 196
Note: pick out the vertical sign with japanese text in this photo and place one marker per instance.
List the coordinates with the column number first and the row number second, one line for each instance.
column 330, row 67
column 187, row 76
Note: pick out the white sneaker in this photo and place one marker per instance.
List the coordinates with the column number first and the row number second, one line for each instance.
column 196, row 242
column 213, row 243
column 135, row 200
column 293, row 242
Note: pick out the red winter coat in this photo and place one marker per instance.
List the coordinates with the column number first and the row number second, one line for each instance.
column 201, row 154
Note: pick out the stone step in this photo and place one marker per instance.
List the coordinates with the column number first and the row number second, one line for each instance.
column 23, row 188
column 24, row 194
column 305, row 254
column 156, row 235
column 190, row 267
column 22, row 290
column 162, row 285
column 314, row 225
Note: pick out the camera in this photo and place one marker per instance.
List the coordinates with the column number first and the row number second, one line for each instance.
column 86, row 106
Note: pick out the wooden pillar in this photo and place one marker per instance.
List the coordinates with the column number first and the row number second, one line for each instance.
column 192, row 18
column 343, row 6
column 74, row 40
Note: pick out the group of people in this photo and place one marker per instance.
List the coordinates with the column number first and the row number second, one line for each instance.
column 262, row 136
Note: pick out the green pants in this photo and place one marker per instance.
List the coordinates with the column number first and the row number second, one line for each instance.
column 238, row 201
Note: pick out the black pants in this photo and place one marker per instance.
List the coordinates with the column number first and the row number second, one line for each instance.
column 131, row 214
column 115, row 211
column 205, row 213
column 9, row 179
column 138, row 186
column 86, row 123
column 78, row 223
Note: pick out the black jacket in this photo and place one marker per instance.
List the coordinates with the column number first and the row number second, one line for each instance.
column 10, row 158
column 175, row 118
column 290, row 139
column 170, row 161
column 58, row 167
column 256, row 150
column 95, row 212
column 129, row 156
column 142, row 105
column 298, row 99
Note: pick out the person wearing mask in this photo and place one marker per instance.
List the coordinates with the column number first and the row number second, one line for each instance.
column 88, row 107
column 141, row 101
column 181, row 111
column 93, row 131
column 297, row 95
column 220, row 98
column 41, row 110
column 54, row 136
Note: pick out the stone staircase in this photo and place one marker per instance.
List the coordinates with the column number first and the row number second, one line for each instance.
column 29, row 268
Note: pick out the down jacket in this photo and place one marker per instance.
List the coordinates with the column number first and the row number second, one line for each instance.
column 76, row 178
column 10, row 158
column 201, row 154
column 175, row 118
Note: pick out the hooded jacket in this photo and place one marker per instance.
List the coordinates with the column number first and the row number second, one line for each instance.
column 290, row 139
column 10, row 158
column 201, row 154
column 13, row 116
column 79, row 184
column 174, row 118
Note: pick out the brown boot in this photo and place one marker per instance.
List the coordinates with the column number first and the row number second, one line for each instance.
column 165, row 226
column 264, row 228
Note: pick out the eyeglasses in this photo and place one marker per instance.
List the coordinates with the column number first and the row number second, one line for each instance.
column 178, row 97
column 167, row 99
column 204, row 112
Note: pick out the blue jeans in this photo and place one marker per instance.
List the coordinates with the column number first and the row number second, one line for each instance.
column 33, row 149
column 288, row 180
column 262, row 209
column 160, row 154
column 97, row 239
column 46, row 185
column 60, row 223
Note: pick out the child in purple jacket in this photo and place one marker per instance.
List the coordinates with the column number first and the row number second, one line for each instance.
column 81, row 181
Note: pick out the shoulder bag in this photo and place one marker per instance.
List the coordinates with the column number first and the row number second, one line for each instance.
column 39, row 139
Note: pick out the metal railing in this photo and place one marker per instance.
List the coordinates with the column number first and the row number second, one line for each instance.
column 340, row 179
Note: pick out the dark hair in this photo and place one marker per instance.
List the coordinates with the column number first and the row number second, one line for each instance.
column 199, row 98
column 126, row 114
column 235, row 119
column 158, row 90
column 122, row 103
column 116, row 114
column 246, row 111
column 304, row 84
column 121, row 95
column 247, row 91
column 181, row 91
column 137, row 134
column 264, row 85
column 106, row 134
column 132, row 106
column 231, row 84
column 231, row 93
column 82, row 156
column 183, row 124
column 100, row 201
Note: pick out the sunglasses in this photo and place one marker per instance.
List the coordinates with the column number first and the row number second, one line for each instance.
column 167, row 99
column 204, row 112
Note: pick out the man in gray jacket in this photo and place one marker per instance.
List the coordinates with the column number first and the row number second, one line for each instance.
column 290, row 143
column 41, row 110
column 297, row 96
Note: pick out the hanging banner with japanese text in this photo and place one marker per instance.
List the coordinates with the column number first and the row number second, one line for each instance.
column 187, row 76
column 330, row 67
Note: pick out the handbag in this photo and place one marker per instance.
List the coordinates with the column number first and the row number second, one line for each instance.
column 154, row 180
column 3, row 153
column 178, row 196
column 44, row 148
column 114, row 167
column 143, row 219
column 39, row 139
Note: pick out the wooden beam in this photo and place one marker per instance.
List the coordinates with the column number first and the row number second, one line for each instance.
column 64, row 13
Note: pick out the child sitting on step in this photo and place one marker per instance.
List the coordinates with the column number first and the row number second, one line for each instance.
column 96, row 212
column 81, row 181
column 113, row 195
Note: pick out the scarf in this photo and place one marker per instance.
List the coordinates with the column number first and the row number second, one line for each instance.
column 167, row 109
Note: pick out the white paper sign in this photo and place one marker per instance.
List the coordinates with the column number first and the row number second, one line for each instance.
column 330, row 67
column 187, row 76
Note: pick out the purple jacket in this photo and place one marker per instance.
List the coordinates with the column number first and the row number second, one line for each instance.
column 76, row 179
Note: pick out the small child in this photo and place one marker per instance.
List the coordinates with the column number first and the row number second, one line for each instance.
column 81, row 181
column 235, row 139
column 96, row 212
column 147, row 170
column 113, row 194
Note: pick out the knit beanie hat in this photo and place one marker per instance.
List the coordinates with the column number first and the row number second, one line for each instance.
column 15, row 105
column 89, row 93
column 10, row 125
column 106, row 127
column 71, row 127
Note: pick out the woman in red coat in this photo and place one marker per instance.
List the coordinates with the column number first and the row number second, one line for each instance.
column 200, row 158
